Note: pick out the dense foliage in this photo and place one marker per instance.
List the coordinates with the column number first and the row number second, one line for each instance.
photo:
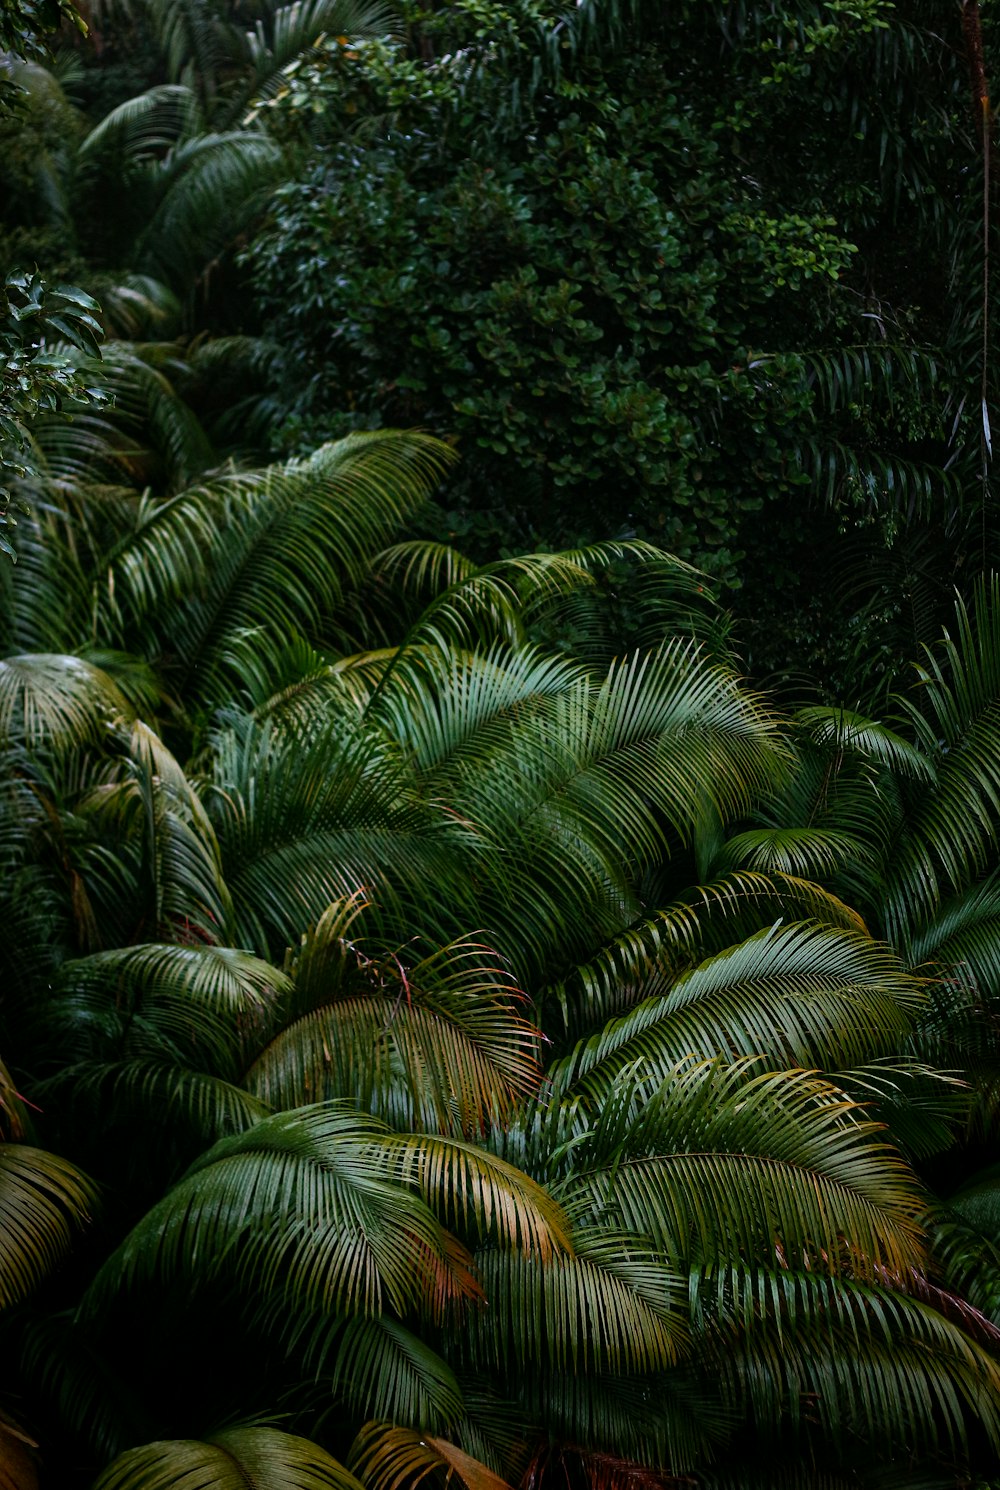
column 709, row 275
column 477, row 1059
column 454, row 1028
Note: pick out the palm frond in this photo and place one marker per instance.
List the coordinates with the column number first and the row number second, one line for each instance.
column 803, row 995
column 806, row 853
column 286, row 31
column 479, row 1195
column 57, row 701
column 727, row 1160
column 379, row 1368
column 545, row 1313
column 229, row 1460
column 875, row 1362
column 301, row 1203
column 952, row 832
column 192, row 1006
column 147, row 124
column 272, row 549
column 213, row 185
column 302, row 822
column 387, row 1457
column 438, row 1044
column 711, row 918
column 44, row 1201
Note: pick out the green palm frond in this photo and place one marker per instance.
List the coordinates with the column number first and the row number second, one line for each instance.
column 231, row 1460
column 195, row 1006
column 145, row 125
column 805, row 995
column 491, row 604
column 870, row 738
column 58, row 701
column 387, row 1457
column 137, row 307
column 301, row 1203
column 106, row 1103
column 441, row 702
column 211, row 188
column 302, row 822
column 952, row 831
column 711, row 918
column 479, row 1195
column 807, row 853
column 668, row 1419
column 270, row 549
column 379, row 1368
column 44, row 1201
column 284, row 32
column 544, row 1313
column 582, row 790
column 727, row 1160
column 438, row 1044
column 182, row 854
column 869, row 1361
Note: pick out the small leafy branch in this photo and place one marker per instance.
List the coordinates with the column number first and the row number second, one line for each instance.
column 49, row 336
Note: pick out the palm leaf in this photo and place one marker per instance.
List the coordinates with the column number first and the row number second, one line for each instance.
column 377, row 1367
column 726, row 1160
column 803, row 995
column 218, row 547
column 952, row 831
column 302, row 1204
column 386, row 1457
column 545, row 1313
column 144, row 125
column 231, row 1460
column 711, row 917
column 190, row 1005
column 438, row 1044
column 874, row 1362
column 56, row 700
column 43, row 1202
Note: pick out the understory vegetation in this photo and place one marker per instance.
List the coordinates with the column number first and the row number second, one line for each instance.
column 500, row 983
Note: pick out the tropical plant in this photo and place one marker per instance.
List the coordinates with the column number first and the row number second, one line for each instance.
column 531, row 1100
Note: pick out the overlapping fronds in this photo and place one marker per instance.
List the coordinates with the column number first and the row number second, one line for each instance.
column 300, row 1203
column 873, row 1361
column 585, row 787
column 725, row 1160
column 213, row 185
column 152, row 803
column 56, row 701
column 44, row 1201
column 804, row 995
column 710, row 918
column 273, row 549
column 437, row 1044
column 192, row 1109
column 230, row 1460
column 303, row 820
column 951, row 832
column 387, row 1457
column 614, row 1306
column 381, row 1369
column 443, row 701
column 479, row 1195
column 195, row 1006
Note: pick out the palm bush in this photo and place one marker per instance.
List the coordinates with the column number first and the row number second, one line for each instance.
column 456, row 1057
